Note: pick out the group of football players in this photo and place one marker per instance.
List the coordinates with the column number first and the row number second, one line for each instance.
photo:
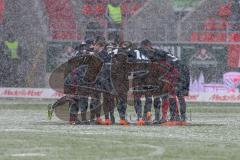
column 173, row 101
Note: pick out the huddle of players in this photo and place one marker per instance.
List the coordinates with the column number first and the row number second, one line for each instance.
column 145, row 52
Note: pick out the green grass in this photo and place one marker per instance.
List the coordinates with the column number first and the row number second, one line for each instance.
column 26, row 134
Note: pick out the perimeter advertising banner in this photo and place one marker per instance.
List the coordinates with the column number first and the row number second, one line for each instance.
column 46, row 93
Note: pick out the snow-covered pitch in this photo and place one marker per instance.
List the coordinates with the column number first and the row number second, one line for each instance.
column 26, row 133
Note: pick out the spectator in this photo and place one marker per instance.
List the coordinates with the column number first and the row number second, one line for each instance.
column 114, row 17
column 11, row 58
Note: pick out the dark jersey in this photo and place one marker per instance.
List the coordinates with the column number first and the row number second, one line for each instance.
column 104, row 77
column 106, row 58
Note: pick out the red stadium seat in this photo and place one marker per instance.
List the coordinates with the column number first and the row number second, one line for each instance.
column 209, row 24
column 62, row 20
column 61, row 9
column 220, row 37
column 220, row 24
column 100, row 9
column 87, row 9
column 93, row 9
column 194, row 37
column 234, row 37
column 129, row 7
column 125, row 9
column 224, row 10
column 135, row 7
column 215, row 24
column 206, row 37
column 53, row 6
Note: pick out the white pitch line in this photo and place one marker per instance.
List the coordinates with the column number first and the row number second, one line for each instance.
column 29, row 155
column 157, row 150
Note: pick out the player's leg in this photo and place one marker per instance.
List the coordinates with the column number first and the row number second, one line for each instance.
column 73, row 109
column 83, row 105
column 111, row 108
column 157, row 106
column 138, row 106
column 74, row 106
column 183, row 107
column 113, row 104
column 174, row 113
column 92, row 112
column 165, row 107
column 95, row 107
column 122, row 107
column 147, row 108
column 108, row 107
column 138, row 110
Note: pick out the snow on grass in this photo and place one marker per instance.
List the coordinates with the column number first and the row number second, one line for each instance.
column 28, row 155
column 28, row 133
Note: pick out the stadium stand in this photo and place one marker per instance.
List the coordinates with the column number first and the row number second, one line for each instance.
column 68, row 20
column 215, row 21
column 95, row 10
column 215, row 26
column 202, row 18
column 213, row 30
column 131, row 7
column 89, row 9
column 62, row 20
